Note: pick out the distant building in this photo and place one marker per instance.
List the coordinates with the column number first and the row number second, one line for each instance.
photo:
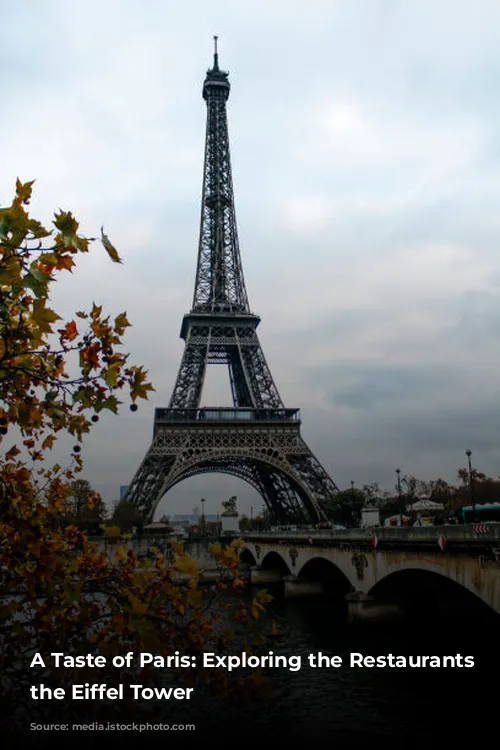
column 191, row 518
column 123, row 491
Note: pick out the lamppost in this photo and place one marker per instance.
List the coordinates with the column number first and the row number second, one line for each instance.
column 468, row 453
column 202, row 520
column 265, row 523
column 398, row 472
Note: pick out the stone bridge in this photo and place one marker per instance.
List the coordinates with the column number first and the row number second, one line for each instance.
column 368, row 568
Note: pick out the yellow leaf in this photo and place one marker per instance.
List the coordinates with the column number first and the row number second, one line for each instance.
column 140, row 386
column 111, row 375
column 110, row 249
column 137, row 605
column 194, row 599
column 215, row 549
column 96, row 311
column 10, row 270
column 23, row 190
column 48, row 442
column 121, row 323
column 43, row 316
column 188, row 566
column 263, row 597
column 68, row 226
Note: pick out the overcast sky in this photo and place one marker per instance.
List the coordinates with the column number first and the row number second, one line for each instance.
column 365, row 142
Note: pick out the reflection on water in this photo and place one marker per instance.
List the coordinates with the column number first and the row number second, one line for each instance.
column 350, row 702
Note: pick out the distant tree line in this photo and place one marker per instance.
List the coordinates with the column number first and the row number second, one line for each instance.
column 86, row 510
column 345, row 508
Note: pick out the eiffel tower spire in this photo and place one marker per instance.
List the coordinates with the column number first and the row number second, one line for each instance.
column 257, row 439
column 219, row 286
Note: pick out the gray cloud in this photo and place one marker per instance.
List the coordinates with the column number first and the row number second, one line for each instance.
column 382, row 385
column 366, row 166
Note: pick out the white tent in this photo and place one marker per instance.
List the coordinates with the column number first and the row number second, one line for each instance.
column 424, row 504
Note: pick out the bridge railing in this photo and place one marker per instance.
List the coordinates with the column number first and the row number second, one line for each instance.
column 463, row 533
column 467, row 533
column 348, row 534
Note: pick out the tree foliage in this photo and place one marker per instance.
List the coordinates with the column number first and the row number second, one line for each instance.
column 86, row 508
column 257, row 523
column 346, row 507
column 38, row 391
column 464, row 476
column 127, row 516
column 58, row 590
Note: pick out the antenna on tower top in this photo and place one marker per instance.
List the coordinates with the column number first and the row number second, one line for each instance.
column 216, row 56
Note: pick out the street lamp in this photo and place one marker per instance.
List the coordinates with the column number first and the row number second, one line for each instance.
column 202, row 520
column 398, row 472
column 468, row 453
column 352, row 501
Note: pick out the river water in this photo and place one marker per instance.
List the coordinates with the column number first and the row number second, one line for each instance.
column 348, row 706
column 352, row 704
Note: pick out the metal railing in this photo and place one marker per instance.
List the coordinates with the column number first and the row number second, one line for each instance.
column 467, row 533
column 221, row 414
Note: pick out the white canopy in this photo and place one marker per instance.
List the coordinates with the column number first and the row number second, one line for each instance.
column 425, row 504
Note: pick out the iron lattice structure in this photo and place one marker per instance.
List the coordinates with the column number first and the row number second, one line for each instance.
column 257, row 439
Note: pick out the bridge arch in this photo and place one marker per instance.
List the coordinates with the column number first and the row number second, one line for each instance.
column 274, row 561
column 436, row 587
column 333, row 578
column 247, row 557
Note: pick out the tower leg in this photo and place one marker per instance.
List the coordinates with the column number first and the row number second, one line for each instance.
column 267, row 453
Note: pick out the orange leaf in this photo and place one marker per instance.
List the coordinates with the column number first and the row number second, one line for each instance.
column 48, row 442
column 12, row 453
column 65, row 262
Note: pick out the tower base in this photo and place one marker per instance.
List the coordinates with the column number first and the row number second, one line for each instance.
column 262, row 446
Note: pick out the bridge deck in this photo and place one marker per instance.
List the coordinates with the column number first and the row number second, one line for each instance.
column 464, row 535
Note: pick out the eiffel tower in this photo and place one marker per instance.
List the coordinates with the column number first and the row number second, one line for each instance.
column 256, row 439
